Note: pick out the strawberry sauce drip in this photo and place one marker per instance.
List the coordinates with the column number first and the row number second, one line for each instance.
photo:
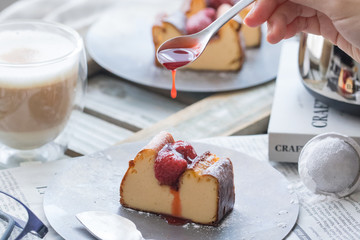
column 174, row 58
column 173, row 88
column 176, row 203
column 172, row 161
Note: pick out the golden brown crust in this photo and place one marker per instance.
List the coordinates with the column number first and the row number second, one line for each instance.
column 131, row 166
column 225, row 176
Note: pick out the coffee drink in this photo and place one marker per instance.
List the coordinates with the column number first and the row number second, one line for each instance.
column 38, row 85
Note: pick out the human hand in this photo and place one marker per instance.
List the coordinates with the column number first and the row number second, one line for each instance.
column 336, row 20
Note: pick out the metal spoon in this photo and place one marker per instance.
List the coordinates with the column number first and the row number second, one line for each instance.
column 180, row 51
column 109, row 226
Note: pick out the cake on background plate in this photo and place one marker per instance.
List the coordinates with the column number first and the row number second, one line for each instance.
column 225, row 51
column 169, row 178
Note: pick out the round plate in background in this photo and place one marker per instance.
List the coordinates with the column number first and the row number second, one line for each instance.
column 121, row 42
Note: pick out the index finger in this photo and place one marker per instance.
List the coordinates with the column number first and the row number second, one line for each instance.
column 261, row 11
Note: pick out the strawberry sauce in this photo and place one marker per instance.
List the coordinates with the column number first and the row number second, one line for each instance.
column 172, row 161
column 174, row 58
column 176, row 203
column 173, row 88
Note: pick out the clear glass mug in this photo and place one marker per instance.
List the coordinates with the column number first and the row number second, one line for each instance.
column 43, row 74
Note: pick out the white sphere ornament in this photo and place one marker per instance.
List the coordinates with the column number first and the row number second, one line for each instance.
column 330, row 164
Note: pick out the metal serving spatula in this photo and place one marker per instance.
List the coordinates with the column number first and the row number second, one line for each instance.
column 109, row 226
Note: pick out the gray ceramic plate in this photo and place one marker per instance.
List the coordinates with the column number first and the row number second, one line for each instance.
column 264, row 207
column 121, row 42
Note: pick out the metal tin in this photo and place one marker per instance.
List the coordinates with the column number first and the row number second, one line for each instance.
column 329, row 74
column 310, row 159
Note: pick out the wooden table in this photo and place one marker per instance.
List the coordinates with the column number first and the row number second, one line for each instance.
column 118, row 111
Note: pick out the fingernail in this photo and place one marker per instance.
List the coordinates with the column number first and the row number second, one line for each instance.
column 250, row 13
column 269, row 30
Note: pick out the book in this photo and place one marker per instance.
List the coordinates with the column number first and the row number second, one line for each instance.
column 297, row 116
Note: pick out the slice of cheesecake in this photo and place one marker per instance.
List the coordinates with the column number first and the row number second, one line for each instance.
column 202, row 191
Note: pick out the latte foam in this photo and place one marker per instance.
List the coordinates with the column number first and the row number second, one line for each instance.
column 27, row 63
column 39, row 46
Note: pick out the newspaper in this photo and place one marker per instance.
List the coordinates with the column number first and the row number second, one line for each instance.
column 320, row 217
column 28, row 184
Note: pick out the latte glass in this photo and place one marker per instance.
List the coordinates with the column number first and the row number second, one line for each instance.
column 42, row 83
